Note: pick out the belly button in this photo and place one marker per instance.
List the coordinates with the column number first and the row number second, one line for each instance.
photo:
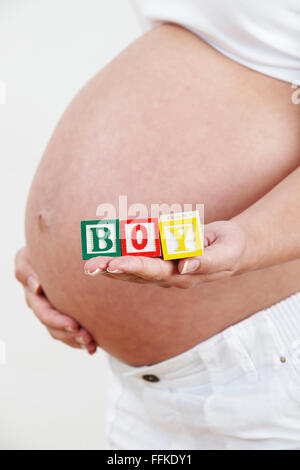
column 44, row 219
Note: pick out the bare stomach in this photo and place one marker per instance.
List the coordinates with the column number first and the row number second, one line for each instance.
column 168, row 121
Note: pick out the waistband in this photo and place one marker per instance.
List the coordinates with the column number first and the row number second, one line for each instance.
column 260, row 340
column 285, row 316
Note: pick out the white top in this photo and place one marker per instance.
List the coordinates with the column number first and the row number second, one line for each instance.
column 261, row 34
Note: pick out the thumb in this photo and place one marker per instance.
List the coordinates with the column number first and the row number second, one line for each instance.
column 216, row 258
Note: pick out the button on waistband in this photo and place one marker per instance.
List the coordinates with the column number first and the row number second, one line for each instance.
column 151, row 378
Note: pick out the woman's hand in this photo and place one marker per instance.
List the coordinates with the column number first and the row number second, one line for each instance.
column 225, row 246
column 61, row 327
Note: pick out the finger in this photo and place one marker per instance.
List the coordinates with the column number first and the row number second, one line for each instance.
column 70, row 340
column 210, row 234
column 91, row 348
column 25, row 273
column 65, row 337
column 48, row 315
column 97, row 265
column 81, row 337
column 216, row 258
column 151, row 269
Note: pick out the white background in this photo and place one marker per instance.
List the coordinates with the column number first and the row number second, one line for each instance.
column 51, row 397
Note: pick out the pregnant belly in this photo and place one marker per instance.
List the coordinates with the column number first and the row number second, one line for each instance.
column 169, row 121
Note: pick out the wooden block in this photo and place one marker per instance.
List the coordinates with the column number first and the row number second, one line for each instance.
column 100, row 238
column 140, row 237
column 181, row 235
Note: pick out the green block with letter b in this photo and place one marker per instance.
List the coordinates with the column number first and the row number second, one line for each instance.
column 100, row 238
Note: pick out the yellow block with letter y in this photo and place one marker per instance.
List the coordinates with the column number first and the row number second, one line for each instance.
column 181, row 235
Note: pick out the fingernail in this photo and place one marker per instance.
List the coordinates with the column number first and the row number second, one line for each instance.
column 33, row 284
column 190, row 266
column 93, row 273
column 81, row 341
column 114, row 271
column 70, row 330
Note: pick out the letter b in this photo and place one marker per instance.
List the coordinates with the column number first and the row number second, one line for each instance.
column 105, row 238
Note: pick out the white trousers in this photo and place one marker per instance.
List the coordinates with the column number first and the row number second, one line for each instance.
column 239, row 390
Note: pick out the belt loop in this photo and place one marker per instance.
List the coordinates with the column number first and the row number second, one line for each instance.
column 243, row 354
column 285, row 318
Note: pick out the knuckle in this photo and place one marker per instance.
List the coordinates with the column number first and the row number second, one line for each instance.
column 18, row 274
column 142, row 263
column 205, row 263
column 71, row 344
column 53, row 335
column 27, row 301
column 152, row 275
column 17, row 256
column 160, row 274
column 228, row 272
column 41, row 320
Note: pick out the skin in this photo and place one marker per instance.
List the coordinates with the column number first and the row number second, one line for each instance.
column 166, row 106
column 61, row 327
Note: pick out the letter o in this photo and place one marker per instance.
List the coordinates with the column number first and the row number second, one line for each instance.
column 139, row 228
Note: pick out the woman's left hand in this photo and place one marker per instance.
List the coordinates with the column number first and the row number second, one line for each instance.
column 60, row 326
column 225, row 247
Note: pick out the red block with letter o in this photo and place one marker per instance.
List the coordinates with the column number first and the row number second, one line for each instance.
column 140, row 237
